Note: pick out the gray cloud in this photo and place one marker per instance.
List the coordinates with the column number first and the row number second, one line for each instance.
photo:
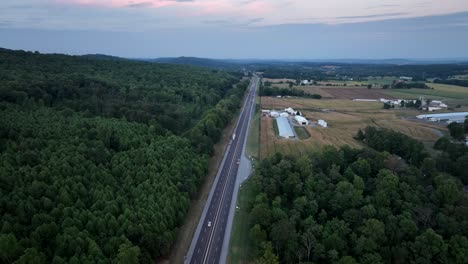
column 217, row 22
column 140, row 5
column 255, row 20
column 373, row 16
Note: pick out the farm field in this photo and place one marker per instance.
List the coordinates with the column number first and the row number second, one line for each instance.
column 314, row 104
column 358, row 93
column 440, row 91
column 346, row 118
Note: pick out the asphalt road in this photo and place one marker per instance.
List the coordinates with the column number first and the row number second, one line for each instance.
column 208, row 241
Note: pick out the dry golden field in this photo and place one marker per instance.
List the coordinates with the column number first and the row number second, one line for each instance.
column 345, row 118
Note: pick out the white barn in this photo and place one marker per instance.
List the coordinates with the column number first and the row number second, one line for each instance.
column 301, row 120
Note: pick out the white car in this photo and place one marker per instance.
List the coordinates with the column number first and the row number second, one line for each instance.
column 209, row 223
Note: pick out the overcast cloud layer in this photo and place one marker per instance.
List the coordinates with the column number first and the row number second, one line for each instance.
column 239, row 28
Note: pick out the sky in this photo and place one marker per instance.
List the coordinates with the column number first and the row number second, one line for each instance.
column 253, row 29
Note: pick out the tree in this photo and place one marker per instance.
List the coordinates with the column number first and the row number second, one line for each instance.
column 429, row 247
column 9, row 248
column 457, row 131
column 268, row 256
column 128, row 254
column 31, row 255
column 447, row 191
column 458, row 249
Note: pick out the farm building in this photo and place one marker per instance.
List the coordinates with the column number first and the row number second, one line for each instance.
column 284, row 128
column 365, row 100
column 322, row 123
column 458, row 117
column 301, row 120
column 274, row 114
column 290, row 111
column 436, row 105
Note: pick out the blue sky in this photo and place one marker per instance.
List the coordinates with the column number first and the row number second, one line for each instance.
column 265, row 29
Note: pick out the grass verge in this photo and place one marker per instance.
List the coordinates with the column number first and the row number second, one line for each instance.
column 240, row 245
column 301, row 132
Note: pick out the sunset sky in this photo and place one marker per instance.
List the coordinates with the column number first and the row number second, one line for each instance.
column 305, row 29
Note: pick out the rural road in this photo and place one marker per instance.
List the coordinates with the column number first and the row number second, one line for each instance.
column 209, row 239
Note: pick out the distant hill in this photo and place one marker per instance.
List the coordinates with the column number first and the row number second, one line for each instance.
column 102, row 57
column 256, row 63
column 203, row 62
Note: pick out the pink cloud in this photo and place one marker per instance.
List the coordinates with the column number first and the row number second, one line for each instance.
column 125, row 3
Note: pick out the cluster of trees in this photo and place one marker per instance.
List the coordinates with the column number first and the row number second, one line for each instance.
column 452, row 158
column 357, row 206
column 173, row 96
column 208, row 130
column 458, row 130
column 267, row 90
column 463, row 83
column 99, row 155
column 409, row 85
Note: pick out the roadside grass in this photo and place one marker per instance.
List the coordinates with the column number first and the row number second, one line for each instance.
column 240, row 245
column 301, row 132
column 253, row 140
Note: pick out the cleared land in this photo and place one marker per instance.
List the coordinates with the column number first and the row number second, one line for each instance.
column 358, row 93
column 344, row 120
column 301, row 132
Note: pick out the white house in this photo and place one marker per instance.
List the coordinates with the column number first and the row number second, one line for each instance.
column 301, row 120
column 284, row 114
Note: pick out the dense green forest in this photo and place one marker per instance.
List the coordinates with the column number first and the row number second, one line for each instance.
column 174, row 96
column 100, row 158
column 359, row 206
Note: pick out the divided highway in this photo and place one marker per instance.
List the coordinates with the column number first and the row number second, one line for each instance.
column 207, row 242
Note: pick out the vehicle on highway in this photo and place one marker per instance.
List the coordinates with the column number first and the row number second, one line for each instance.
column 238, row 162
column 209, row 223
column 234, row 136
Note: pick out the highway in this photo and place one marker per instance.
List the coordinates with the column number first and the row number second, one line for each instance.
column 208, row 240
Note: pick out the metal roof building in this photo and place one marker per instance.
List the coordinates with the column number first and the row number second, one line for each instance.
column 284, row 128
column 451, row 117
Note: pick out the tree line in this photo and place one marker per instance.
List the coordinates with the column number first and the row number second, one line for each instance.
column 267, row 90
column 463, row 83
column 173, row 96
column 358, row 206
